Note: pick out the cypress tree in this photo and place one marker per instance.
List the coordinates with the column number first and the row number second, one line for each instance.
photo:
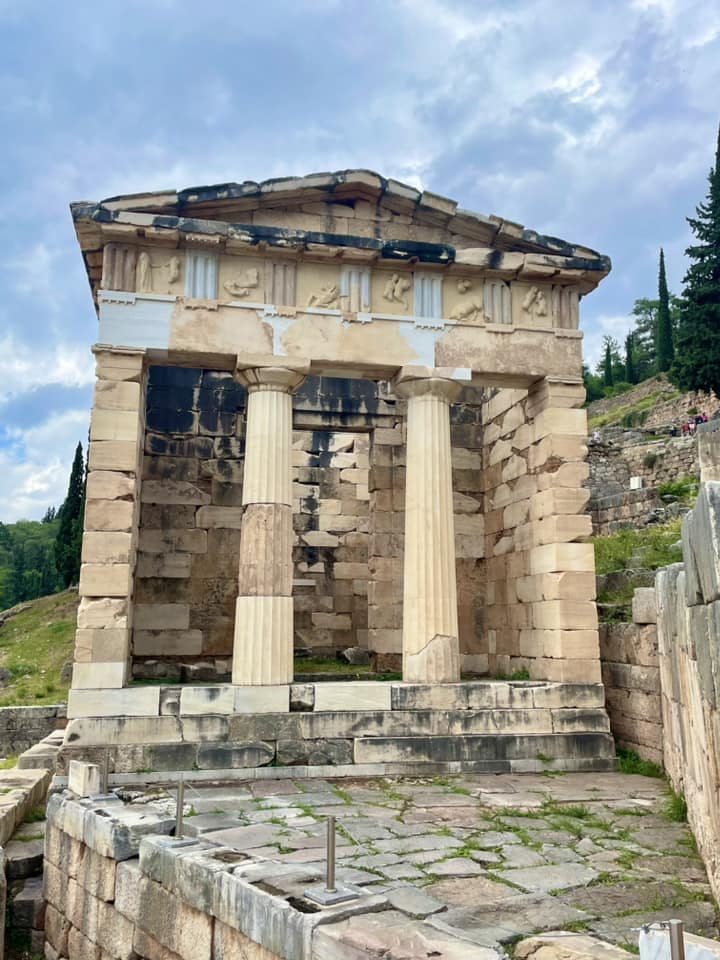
column 608, row 379
column 697, row 346
column 68, row 540
column 630, row 374
column 664, row 332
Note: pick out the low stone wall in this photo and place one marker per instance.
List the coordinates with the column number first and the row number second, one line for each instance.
column 631, row 674
column 663, row 460
column 23, row 727
column 688, row 598
column 630, row 508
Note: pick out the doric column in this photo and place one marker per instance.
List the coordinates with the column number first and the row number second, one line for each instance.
column 430, row 619
column 263, row 645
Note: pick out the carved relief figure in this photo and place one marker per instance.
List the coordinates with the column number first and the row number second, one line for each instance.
column 535, row 304
column 143, row 275
column 396, row 289
column 173, row 267
column 245, row 282
column 471, row 311
column 328, row 297
column 463, row 285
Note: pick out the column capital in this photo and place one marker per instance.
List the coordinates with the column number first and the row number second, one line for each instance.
column 278, row 379
column 443, row 389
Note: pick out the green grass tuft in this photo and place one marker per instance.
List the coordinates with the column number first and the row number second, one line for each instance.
column 630, row 762
column 655, row 547
column 676, row 808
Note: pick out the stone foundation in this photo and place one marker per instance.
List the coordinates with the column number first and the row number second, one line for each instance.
column 353, row 728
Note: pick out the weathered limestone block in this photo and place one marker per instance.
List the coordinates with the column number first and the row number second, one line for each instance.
column 83, row 778
column 105, row 612
column 110, row 485
column 127, row 889
column 565, row 615
column 117, row 395
column 169, row 540
column 105, row 580
column 176, row 925
column 119, row 364
column 172, row 643
column 114, row 424
column 230, row 944
column 560, row 557
column 314, row 752
column 217, row 517
column 100, row 645
column 122, row 455
column 106, row 547
column 166, row 565
column 131, row 702
column 173, row 491
column 643, row 605
column 57, row 928
column 162, row 616
column 110, row 515
column 562, row 945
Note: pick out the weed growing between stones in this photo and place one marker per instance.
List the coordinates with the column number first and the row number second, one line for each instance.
column 630, row 762
column 676, row 807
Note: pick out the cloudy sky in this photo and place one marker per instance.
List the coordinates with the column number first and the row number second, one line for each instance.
column 595, row 122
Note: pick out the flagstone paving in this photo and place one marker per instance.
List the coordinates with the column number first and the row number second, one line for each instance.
column 485, row 858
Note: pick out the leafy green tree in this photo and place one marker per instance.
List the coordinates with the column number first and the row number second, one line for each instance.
column 69, row 536
column 664, row 330
column 697, row 347
column 630, row 376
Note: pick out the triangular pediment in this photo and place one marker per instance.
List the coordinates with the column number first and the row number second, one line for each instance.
column 350, row 202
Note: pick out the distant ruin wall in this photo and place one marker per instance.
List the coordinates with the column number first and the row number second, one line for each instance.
column 22, row 727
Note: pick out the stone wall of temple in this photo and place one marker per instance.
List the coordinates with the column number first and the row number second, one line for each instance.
column 541, row 613
column 349, row 489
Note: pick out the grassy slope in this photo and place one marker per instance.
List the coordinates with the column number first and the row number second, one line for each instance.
column 633, row 405
column 35, row 644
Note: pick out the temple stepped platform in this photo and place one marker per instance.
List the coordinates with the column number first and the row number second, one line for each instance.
column 343, row 728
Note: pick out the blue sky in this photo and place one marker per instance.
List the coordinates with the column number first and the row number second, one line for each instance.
column 595, row 122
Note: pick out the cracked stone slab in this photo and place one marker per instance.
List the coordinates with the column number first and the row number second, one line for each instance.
column 414, row 902
column 455, row 867
column 554, row 877
column 470, row 891
column 505, row 920
column 519, row 856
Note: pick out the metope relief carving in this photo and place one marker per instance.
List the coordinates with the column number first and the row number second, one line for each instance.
column 534, row 304
column 327, row 297
column 471, row 309
column 245, row 281
column 143, row 274
column 564, row 308
column 497, row 304
column 174, row 269
column 119, row 265
column 397, row 289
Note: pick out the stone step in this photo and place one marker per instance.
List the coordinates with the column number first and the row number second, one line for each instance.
column 24, row 857
column 501, row 749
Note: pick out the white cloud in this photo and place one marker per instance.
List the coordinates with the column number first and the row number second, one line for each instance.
column 24, row 367
column 34, row 472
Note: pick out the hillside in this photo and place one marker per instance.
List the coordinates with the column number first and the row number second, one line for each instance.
column 36, row 642
column 27, row 561
column 652, row 405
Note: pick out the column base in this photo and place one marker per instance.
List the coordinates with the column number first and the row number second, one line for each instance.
column 437, row 662
column 263, row 646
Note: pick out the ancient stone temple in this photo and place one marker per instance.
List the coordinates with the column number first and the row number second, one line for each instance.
column 334, row 411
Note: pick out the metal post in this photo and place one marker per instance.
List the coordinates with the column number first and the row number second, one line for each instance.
column 330, row 875
column 677, row 940
column 179, row 810
column 105, row 774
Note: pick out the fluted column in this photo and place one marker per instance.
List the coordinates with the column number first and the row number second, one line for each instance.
column 430, row 619
column 263, row 644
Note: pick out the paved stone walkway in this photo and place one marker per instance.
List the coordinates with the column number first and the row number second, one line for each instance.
column 485, row 858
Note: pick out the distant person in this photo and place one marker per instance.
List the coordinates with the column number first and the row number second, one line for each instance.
column 596, row 437
column 673, row 431
column 685, row 428
column 705, row 417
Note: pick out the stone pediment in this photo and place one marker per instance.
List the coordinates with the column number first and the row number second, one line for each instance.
column 353, row 212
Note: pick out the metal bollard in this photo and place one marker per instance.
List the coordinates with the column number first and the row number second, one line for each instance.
column 331, row 893
column 105, row 774
column 677, row 940
column 179, row 809
column 330, row 869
